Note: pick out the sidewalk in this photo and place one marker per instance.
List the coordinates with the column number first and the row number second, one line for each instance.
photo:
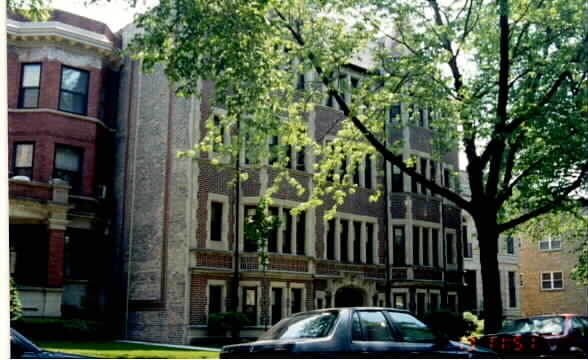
column 185, row 347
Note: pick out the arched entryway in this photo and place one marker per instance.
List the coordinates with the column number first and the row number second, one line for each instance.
column 348, row 296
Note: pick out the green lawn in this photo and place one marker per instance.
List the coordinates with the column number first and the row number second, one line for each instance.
column 116, row 350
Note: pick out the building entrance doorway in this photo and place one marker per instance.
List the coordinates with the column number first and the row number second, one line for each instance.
column 347, row 297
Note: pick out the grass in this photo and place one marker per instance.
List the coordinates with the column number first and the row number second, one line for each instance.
column 116, row 350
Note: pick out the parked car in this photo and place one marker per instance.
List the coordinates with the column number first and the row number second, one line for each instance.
column 23, row 348
column 353, row 333
column 546, row 335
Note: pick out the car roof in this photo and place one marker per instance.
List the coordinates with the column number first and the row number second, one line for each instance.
column 372, row 308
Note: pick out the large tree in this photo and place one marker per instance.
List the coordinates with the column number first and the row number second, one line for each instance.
column 506, row 80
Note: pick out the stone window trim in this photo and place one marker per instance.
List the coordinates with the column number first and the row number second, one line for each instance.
column 284, row 309
column 290, row 297
column 282, row 205
column 551, row 281
column 223, row 285
column 401, row 292
column 364, row 220
column 30, row 85
column 224, row 243
column 409, row 251
column 251, row 284
column 550, row 244
column 437, row 173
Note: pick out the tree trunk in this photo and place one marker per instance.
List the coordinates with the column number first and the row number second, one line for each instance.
column 486, row 228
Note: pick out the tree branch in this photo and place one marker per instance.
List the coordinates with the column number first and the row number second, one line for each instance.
column 371, row 138
column 549, row 206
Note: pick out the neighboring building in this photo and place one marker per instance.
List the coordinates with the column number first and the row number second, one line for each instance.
column 62, row 96
column 508, row 266
column 175, row 223
column 546, row 285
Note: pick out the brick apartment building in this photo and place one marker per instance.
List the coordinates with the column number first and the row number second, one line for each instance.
column 178, row 217
column 167, row 224
column 61, row 103
column 546, row 284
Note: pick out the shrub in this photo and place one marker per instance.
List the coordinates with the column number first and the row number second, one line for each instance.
column 219, row 323
column 60, row 329
column 449, row 324
column 15, row 304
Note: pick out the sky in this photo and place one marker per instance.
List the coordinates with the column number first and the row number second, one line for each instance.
column 114, row 13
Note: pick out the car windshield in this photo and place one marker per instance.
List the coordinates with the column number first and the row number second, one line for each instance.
column 309, row 325
column 553, row 325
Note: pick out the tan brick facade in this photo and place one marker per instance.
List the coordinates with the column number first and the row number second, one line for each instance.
column 536, row 300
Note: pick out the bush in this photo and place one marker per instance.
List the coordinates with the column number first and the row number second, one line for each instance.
column 220, row 323
column 449, row 324
column 60, row 329
column 15, row 305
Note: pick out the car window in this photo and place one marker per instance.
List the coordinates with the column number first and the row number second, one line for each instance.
column 552, row 325
column 370, row 326
column 411, row 328
column 580, row 327
column 307, row 325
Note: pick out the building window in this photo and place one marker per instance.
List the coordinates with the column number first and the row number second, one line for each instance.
column 551, row 243
column 435, row 246
column 552, row 280
column 433, row 173
column 370, row 243
column 217, row 145
column 68, row 166
column 288, row 233
column 434, row 306
column 300, row 83
column 452, row 302
column 331, row 240
column 397, row 178
column 215, row 299
column 300, row 160
column 216, row 221
column 301, row 234
column 250, row 244
column 250, row 304
column 73, row 95
column 296, row 301
column 29, row 86
column 512, row 290
column 420, row 304
column 510, row 245
column 467, row 246
column 368, row 172
column 394, row 113
column 23, row 159
column 399, row 246
column 447, row 178
column 426, row 247
column 357, row 242
column 416, row 245
column 423, row 172
column 450, row 252
column 400, row 301
column 277, row 304
column 343, row 240
column 272, row 243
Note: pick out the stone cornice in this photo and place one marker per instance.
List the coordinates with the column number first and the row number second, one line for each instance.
column 57, row 31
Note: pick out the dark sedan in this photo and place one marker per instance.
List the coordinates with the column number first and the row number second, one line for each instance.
column 23, row 348
column 352, row 333
column 564, row 335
